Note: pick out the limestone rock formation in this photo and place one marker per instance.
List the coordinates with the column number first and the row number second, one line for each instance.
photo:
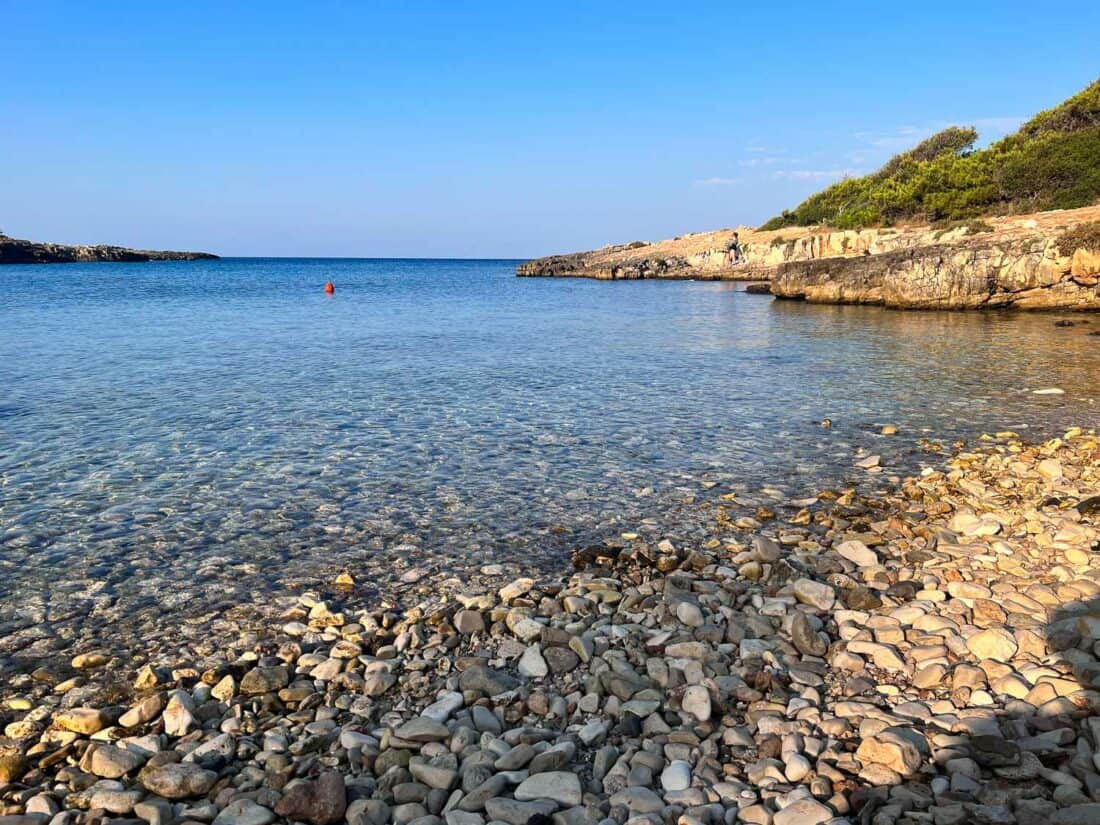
column 13, row 251
column 1003, row 262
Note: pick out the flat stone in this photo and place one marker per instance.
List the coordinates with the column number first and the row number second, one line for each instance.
column 434, row 776
column 515, row 589
column 815, row 594
column 1084, row 814
column 12, row 767
column 561, row 659
column 114, row 800
column 244, row 812
column 900, row 749
column 930, row 676
column 676, row 776
column 178, row 780
column 561, row 786
column 377, row 683
column 803, row 812
column 155, row 811
column 454, row 817
column 144, row 711
column 796, row 767
column 468, row 622
column 638, row 800
column 516, row 812
column 527, row 630
column 322, row 802
column 81, row 720
column 553, row 758
column 766, row 549
column 109, row 762
column 1050, row 468
column 486, row 680
column 968, row 590
column 442, row 708
column 422, row 729
column 993, row 643
column 696, row 701
column 858, row 553
column 532, row 664
column 689, row 614
column 805, row 639
column 265, row 680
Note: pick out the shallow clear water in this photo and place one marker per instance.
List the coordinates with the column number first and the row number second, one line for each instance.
column 179, row 437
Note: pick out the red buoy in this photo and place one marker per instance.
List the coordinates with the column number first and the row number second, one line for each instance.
column 330, row 288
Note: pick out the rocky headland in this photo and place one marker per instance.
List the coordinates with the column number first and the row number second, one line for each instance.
column 919, row 652
column 1047, row 260
column 13, row 251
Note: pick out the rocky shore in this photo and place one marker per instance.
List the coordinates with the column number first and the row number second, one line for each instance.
column 1024, row 262
column 926, row 654
column 13, row 251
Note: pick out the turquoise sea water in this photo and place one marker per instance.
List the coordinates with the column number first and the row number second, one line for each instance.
column 178, row 436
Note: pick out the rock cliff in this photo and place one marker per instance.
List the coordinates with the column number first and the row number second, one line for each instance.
column 999, row 262
column 13, row 251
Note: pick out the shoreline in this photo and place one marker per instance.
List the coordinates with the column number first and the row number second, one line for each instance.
column 797, row 666
column 14, row 251
column 1001, row 262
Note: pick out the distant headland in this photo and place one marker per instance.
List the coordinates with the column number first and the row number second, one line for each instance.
column 14, row 251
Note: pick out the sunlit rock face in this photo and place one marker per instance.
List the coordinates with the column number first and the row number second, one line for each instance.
column 1001, row 262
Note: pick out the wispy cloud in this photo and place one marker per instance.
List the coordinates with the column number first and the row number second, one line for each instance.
column 770, row 160
column 815, row 174
column 718, row 182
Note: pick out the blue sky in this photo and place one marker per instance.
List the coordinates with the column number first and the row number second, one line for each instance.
column 486, row 129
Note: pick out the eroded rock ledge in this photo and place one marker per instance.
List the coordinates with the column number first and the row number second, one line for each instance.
column 14, row 251
column 1003, row 262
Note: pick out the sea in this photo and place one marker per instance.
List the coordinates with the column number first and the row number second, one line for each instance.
column 181, row 438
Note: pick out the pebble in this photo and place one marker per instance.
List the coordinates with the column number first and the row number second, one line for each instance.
column 921, row 653
column 993, row 643
column 696, row 701
column 561, row 786
column 244, row 812
column 81, row 720
column 816, row 594
column 803, row 812
column 858, row 553
column 676, row 776
column 532, row 664
column 178, row 780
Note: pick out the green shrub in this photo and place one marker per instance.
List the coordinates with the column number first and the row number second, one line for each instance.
column 1052, row 162
column 973, row 227
column 1082, row 236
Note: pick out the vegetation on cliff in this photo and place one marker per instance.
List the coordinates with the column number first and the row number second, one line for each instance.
column 1051, row 162
column 1082, row 236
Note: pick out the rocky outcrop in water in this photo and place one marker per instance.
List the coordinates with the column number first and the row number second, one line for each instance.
column 1024, row 270
column 1004, row 262
column 14, row 251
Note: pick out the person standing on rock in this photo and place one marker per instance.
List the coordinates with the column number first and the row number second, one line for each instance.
column 736, row 251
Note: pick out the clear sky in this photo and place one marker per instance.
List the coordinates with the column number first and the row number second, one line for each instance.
column 496, row 129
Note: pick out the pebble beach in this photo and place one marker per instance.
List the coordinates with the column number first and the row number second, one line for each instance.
column 922, row 655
